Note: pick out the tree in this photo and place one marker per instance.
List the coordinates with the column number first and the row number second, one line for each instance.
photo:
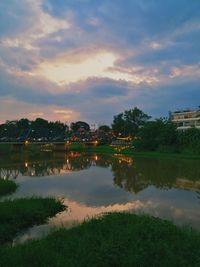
column 134, row 119
column 79, row 124
column 40, row 123
column 104, row 128
column 157, row 135
column 129, row 122
column 23, row 124
column 24, row 128
column 118, row 124
column 189, row 140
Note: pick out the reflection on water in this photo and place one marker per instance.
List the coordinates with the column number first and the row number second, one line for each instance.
column 92, row 184
column 133, row 175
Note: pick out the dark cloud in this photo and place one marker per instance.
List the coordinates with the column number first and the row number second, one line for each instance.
column 133, row 20
column 15, row 17
column 109, row 91
column 158, row 101
column 100, row 99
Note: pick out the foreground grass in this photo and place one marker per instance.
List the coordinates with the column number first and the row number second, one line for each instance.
column 7, row 187
column 16, row 215
column 116, row 239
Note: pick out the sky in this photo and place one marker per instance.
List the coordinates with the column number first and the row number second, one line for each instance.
column 89, row 60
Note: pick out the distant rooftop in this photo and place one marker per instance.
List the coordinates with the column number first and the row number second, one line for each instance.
column 186, row 110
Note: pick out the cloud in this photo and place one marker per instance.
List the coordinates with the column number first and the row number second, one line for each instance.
column 185, row 71
column 97, row 58
column 23, row 24
column 19, row 109
column 80, row 65
column 33, row 24
column 62, row 71
column 159, row 100
column 62, row 111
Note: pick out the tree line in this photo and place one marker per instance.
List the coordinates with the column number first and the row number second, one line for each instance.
column 155, row 135
column 162, row 135
column 24, row 128
column 146, row 134
column 43, row 130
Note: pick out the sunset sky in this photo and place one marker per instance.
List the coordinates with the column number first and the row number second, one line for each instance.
column 89, row 60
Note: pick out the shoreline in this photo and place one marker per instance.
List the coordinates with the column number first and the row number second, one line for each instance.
column 109, row 149
column 114, row 239
column 6, row 150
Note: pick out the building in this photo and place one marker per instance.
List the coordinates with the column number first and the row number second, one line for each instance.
column 185, row 119
column 94, row 127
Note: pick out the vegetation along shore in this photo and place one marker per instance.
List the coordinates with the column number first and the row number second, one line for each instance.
column 18, row 214
column 115, row 239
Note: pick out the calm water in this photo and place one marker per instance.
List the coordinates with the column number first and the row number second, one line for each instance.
column 92, row 184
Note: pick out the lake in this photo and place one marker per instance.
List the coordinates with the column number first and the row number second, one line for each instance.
column 91, row 184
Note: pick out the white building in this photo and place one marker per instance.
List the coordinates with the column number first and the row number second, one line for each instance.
column 185, row 119
column 94, row 127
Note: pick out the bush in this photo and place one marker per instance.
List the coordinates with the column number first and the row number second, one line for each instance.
column 159, row 135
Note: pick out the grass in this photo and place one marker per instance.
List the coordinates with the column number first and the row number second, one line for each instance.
column 8, row 149
column 107, row 149
column 117, row 239
column 166, row 155
column 35, row 150
column 7, row 187
column 5, row 149
column 92, row 148
column 18, row 214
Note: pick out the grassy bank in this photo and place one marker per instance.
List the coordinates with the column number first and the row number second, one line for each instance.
column 16, row 215
column 114, row 240
column 7, row 187
column 5, row 149
column 9, row 149
column 98, row 149
column 35, row 150
column 155, row 154
column 107, row 149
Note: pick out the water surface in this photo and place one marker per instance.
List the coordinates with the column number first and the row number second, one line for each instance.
column 91, row 184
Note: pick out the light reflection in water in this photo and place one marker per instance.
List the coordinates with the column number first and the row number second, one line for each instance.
column 130, row 175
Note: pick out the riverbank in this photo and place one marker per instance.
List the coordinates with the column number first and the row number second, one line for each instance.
column 34, row 150
column 7, row 187
column 129, row 151
column 117, row 239
column 18, row 214
column 7, row 149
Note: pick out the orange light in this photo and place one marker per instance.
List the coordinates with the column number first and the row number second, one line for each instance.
column 26, row 142
column 26, row 164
